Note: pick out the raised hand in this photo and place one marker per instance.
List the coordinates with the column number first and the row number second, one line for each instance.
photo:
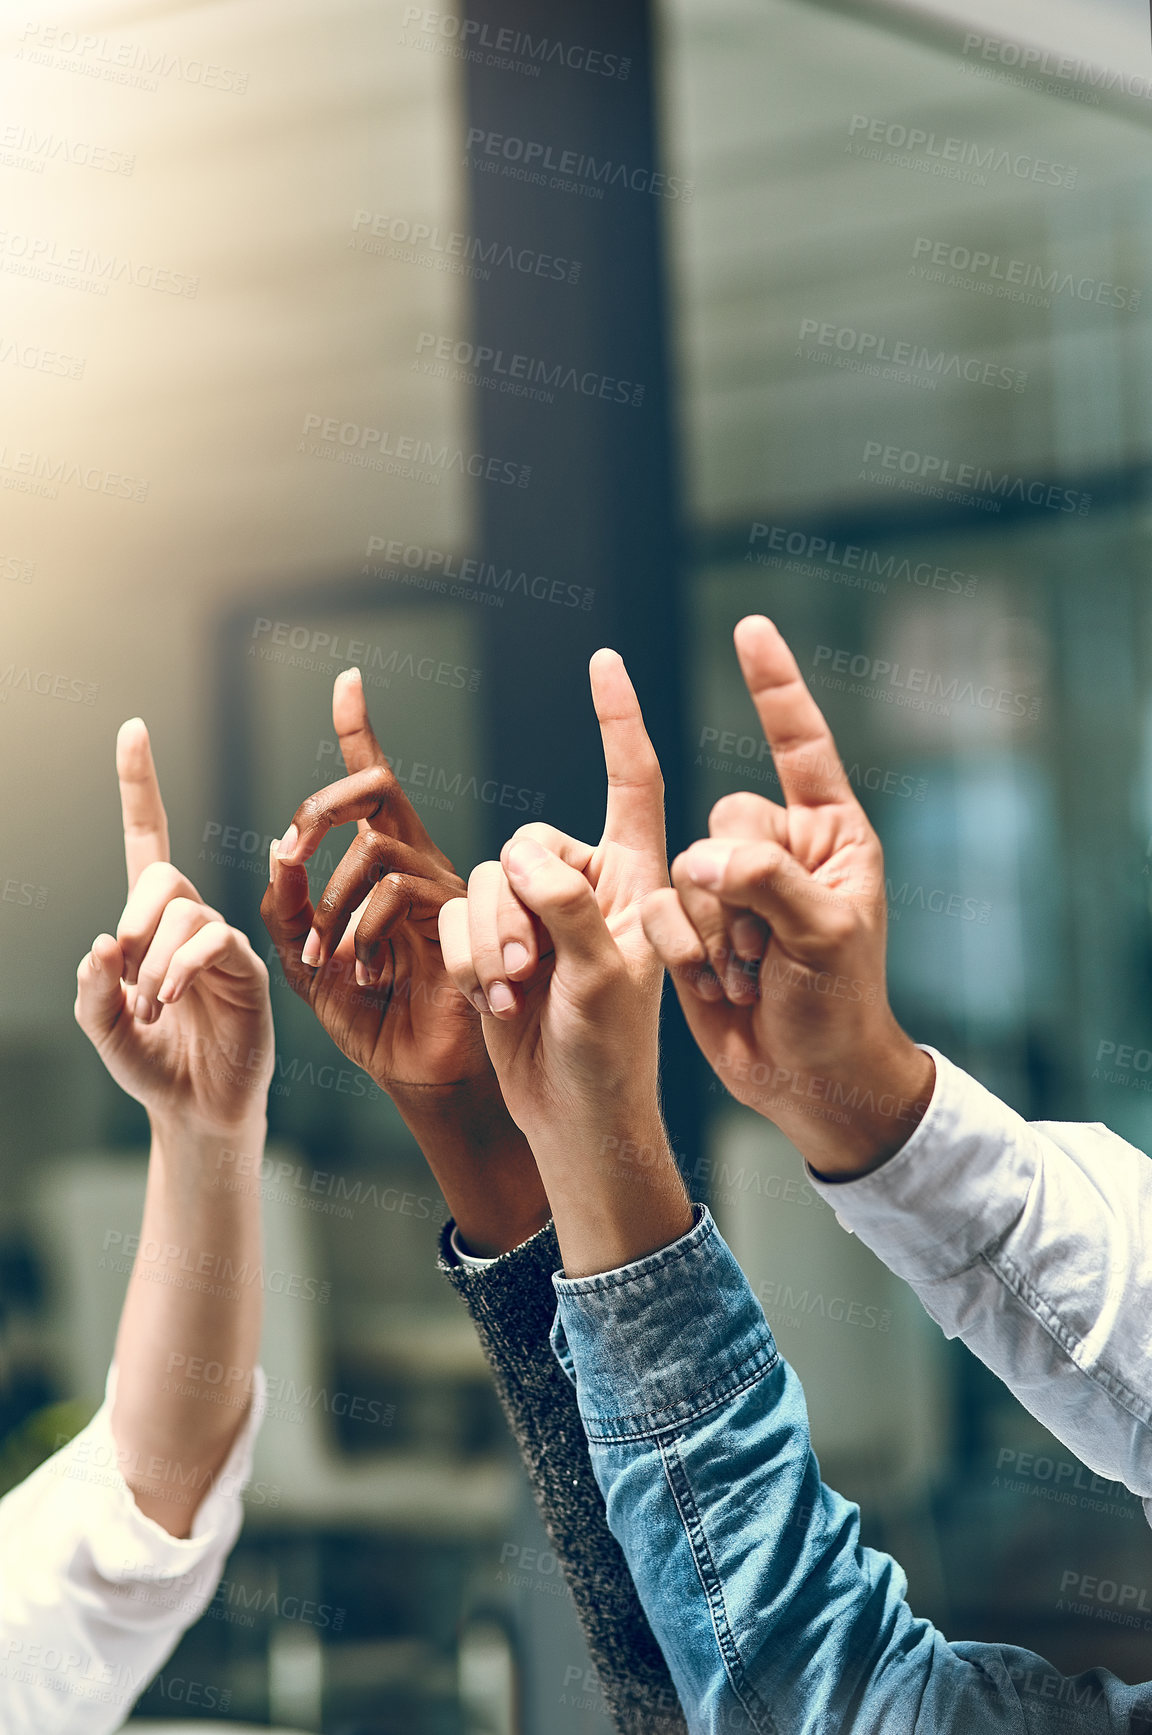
column 367, row 957
column 367, row 960
column 775, row 937
column 177, row 1006
column 176, row 1003
column 574, row 1038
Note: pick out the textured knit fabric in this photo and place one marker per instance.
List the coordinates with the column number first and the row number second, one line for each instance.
column 513, row 1305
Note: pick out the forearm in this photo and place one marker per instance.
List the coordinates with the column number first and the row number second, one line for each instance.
column 195, row 1299
column 512, row 1303
column 481, row 1160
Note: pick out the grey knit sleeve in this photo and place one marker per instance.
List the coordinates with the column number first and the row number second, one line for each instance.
column 513, row 1303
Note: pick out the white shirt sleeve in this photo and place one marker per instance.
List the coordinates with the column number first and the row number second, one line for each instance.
column 94, row 1595
column 1033, row 1243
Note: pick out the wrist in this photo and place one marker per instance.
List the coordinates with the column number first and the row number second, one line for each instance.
column 615, row 1190
column 176, row 1135
column 865, row 1111
column 481, row 1160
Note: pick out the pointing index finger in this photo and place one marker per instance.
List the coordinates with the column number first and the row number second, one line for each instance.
column 354, row 731
column 803, row 750
column 145, row 821
column 635, row 812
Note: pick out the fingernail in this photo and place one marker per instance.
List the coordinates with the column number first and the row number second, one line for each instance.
column 515, row 957
column 363, row 980
column 311, row 953
column 165, row 992
column 143, row 1009
column 747, row 937
column 707, row 986
column 501, row 997
column 481, row 1003
column 287, row 845
column 272, row 857
column 705, row 867
column 525, row 854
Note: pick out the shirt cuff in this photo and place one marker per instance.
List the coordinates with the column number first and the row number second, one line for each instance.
column 126, row 1543
column 664, row 1340
column 957, row 1185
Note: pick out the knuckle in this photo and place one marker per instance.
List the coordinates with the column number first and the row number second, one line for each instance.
column 536, row 831
column 734, row 811
column 374, row 847
column 839, row 927
column 570, row 896
column 327, row 906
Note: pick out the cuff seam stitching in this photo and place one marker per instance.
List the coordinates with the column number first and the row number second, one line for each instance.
column 766, row 1358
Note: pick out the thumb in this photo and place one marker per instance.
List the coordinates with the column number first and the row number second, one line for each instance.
column 565, row 903
column 100, row 997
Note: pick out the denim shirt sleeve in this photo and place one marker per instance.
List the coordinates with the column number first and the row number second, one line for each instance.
column 1031, row 1243
column 772, row 1615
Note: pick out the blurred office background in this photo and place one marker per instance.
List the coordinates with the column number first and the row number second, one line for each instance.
column 778, row 267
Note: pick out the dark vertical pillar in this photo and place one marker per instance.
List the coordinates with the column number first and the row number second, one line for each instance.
column 563, row 166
